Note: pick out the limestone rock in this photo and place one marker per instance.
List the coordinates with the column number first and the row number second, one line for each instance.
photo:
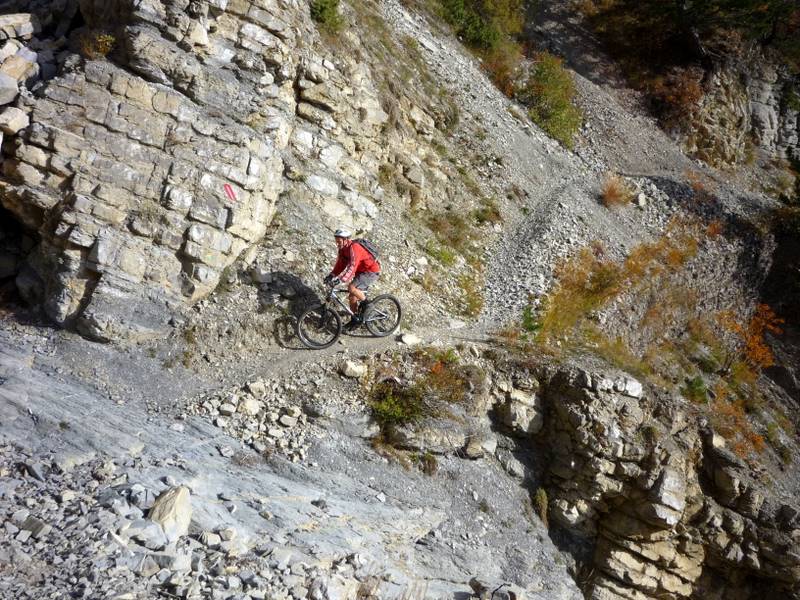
column 18, row 25
column 249, row 406
column 629, row 387
column 522, row 412
column 335, row 587
column 9, row 88
column 12, row 120
column 173, row 511
column 353, row 369
column 480, row 445
column 409, row 339
column 145, row 532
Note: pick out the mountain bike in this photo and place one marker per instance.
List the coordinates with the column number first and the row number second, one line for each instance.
column 320, row 325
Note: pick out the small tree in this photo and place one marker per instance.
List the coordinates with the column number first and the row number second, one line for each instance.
column 747, row 343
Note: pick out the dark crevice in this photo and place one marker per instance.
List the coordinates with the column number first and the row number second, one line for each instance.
column 16, row 243
column 534, row 455
column 781, row 290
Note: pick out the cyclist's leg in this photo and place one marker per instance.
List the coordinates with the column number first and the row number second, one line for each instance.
column 358, row 288
column 355, row 296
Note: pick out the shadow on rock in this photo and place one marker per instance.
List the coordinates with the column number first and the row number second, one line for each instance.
column 288, row 294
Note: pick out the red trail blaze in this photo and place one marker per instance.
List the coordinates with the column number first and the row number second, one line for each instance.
column 229, row 192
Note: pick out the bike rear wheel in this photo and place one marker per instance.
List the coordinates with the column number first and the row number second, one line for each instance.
column 383, row 315
column 319, row 327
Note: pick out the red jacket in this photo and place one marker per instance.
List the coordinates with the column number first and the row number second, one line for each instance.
column 352, row 260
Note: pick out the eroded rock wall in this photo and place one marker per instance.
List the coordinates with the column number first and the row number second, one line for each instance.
column 747, row 107
column 147, row 171
column 775, row 110
column 670, row 511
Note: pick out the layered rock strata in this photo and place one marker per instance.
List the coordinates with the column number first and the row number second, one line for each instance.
column 147, row 171
column 671, row 512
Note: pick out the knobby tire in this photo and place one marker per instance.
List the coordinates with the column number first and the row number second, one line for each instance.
column 319, row 319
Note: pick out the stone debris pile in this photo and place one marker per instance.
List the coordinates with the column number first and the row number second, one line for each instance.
column 261, row 415
column 80, row 526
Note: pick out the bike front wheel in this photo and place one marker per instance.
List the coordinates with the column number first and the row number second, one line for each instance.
column 319, row 327
column 383, row 315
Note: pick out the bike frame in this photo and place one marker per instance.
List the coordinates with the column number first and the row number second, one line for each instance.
column 333, row 295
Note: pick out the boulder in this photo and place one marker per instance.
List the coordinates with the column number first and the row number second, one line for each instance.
column 629, row 387
column 20, row 68
column 409, row 339
column 258, row 388
column 227, row 409
column 173, row 511
column 145, row 532
column 353, row 369
column 480, row 445
column 9, row 88
column 12, row 120
column 522, row 412
column 18, row 25
column 249, row 406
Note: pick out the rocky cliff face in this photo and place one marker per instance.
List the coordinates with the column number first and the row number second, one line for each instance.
column 124, row 167
column 754, row 103
column 671, row 512
column 774, row 110
column 147, row 172
column 156, row 149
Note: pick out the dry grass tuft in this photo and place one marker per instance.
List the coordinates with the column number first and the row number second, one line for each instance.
column 615, row 191
column 96, row 44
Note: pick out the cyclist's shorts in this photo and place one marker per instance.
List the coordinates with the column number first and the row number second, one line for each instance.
column 363, row 280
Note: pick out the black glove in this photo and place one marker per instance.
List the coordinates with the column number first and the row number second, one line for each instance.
column 331, row 280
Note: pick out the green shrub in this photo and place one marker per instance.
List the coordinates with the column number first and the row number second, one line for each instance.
column 326, row 13
column 393, row 404
column 94, row 44
column 444, row 380
column 447, row 120
column 540, row 499
column 695, row 390
column 707, row 364
column 548, row 92
column 773, row 434
column 489, row 212
column 472, row 296
column 452, row 230
column 477, row 31
column 441, row 253
column 502, row 64
column 529, row 321
column 484, row 24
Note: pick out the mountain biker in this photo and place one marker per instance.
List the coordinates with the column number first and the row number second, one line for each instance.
column 356, row 267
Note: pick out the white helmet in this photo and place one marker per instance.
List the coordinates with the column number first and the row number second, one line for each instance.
column 342, row 233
